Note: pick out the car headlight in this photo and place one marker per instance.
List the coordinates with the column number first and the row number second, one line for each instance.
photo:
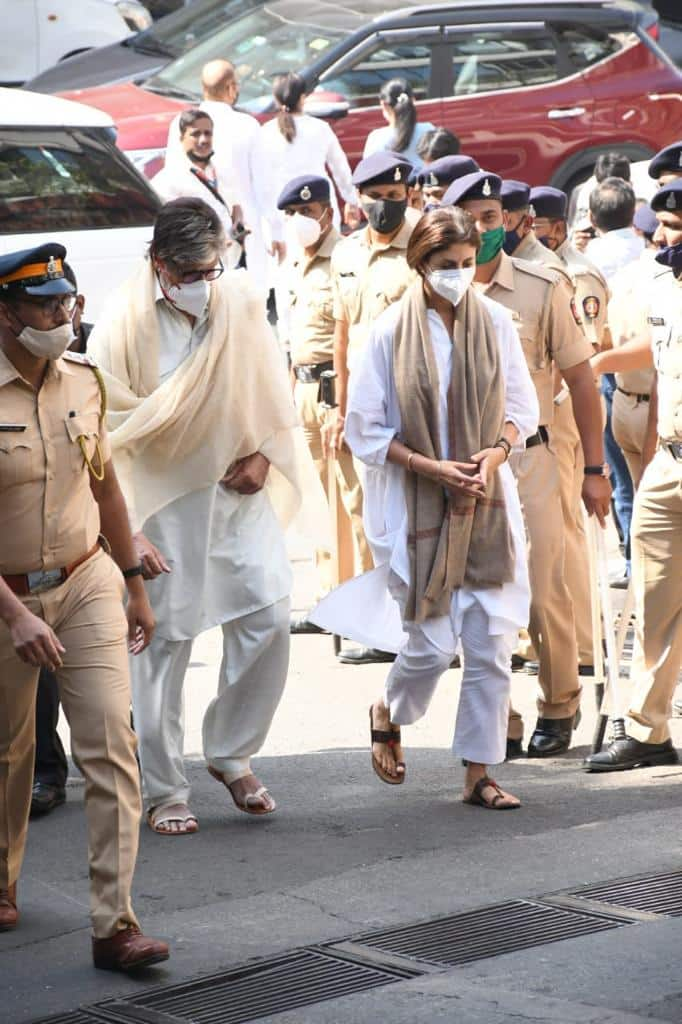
column 147, row 161
column 136, row 17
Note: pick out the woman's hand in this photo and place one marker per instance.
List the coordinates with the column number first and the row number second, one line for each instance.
column 460, row 477
column 489, row 460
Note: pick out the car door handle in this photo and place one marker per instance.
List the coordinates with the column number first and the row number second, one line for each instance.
column 558, row 112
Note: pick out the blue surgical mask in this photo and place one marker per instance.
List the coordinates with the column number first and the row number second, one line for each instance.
column 512, row 240
column 670, row 256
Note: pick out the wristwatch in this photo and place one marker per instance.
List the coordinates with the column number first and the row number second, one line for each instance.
column 602, row 470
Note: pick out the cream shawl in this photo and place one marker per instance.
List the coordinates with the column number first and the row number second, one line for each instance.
column 229, row 398
column 452, row 539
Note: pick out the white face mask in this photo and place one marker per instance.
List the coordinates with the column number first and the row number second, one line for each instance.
column 451, row 284
column 303, row 231
column 47, row 344
column 190, row 298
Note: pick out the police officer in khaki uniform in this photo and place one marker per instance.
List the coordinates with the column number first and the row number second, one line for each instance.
column 306, row 203
column 590, row 300
column 369, row 273
column 549, row 335
column 436, row 178
column 61, row 596
column 666, row 166
column 657, row 520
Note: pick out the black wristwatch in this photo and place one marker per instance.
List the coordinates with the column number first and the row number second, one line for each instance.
column 602, row 470
column 137, row 570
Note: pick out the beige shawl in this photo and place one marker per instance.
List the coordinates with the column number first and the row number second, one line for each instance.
column 452, row 539
column 229, row 398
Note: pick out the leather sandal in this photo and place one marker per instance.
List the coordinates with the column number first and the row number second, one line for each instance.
column 251, row 804
column 164, row 814
column 390, row 738
column 478, row 800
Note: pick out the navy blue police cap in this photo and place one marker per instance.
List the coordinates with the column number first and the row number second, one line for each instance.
column 385, row 168
column 515, row 195
column 307, row 188
column 645, row 219
column 479, row 185
column 414, row 178
column 38, row 271
column 446, row 170
column 669, row 197
column 549, row 202
column 668, row 159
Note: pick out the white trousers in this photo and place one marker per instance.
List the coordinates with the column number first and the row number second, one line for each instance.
column 250, row 684
column 481, row 727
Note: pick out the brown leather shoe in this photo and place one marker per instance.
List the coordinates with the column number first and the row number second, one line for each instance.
column 9, row 915
column 128, row 950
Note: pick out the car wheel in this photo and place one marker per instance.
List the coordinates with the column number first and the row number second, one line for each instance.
column 579, row 167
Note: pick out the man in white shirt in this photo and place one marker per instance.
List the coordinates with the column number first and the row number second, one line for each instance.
column 612, row 209
column 203, row 435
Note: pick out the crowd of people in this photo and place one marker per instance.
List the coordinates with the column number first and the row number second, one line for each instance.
column 443, row 480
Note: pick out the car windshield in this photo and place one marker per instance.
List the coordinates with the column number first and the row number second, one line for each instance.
column 283, row 36
column 179, row 32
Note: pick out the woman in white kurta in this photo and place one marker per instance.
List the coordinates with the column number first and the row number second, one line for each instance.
column 486, row 619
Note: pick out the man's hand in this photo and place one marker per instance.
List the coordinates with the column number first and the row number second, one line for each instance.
column 141, row 621
column 279, row 250
column 352, row 216
column 580, row 239
column 332, row 435
column 151, row 558
column 248, row 475
column 34, row 641
column 597, row 497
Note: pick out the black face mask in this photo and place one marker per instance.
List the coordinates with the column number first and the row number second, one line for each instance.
column 512, row 240
column 202, row 160
column 385, row 215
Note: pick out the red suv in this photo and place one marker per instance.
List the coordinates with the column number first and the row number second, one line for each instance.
column 535, row 89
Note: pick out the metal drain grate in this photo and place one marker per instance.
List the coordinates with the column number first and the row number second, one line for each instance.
column 71, row 1017
column 657, row 894
column 492, row 931
column 247, row 993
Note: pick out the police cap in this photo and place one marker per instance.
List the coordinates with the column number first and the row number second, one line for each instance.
column 38, row 271
column 645, row 219
column 515, row 195
column 383, row 168
column 307, row 188
column 549, row 202
column 669, row 197
column 446, row 170
column 479, row 185
column 668, row 159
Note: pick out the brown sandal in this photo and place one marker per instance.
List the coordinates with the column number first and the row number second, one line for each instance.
column 478, row 800
column 390, row 739
column 252, row 804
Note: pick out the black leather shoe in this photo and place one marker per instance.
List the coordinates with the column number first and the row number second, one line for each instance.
column 363, row 656
column 518, row 663
column 514, row 749
column 45, row 798
column 620, row 583
column 552, row 736
column 630, row 753
column 304, row 625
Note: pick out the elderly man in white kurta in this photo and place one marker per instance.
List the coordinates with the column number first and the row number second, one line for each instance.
column 203, row 431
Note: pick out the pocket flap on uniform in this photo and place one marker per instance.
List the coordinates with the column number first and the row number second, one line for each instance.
column 82, row 425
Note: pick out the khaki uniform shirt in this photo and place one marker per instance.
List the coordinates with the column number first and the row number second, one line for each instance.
column 591, row 292
column 48, row 515
column 665, row 321
column 628, row 315
column 532, row 250
column 542, row 314
column 368, row 278
column 311, row 324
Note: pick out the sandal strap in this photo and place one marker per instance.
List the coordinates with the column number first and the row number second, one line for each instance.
column 383, row 736
column 483, row 784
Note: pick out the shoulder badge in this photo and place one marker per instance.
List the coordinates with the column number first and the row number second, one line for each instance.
column 85, row 360
column 576, row 315
column 79, row 357
column 591, row 307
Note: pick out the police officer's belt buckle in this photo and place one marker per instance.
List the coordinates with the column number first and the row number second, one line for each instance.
column 310, row 374
column 44, row 580
column 675, row 449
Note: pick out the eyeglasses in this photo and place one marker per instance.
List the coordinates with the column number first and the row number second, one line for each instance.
column 50, row 306
column 212, row 274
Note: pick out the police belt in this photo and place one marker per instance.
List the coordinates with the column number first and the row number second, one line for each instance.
column 634, row 394
column 25, row 584
column 541, row 437
column 309, row 374
column 675, row 449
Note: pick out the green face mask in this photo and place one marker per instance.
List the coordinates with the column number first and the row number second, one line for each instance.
column 491, row 243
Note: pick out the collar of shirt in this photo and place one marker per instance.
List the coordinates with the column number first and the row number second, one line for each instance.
column 399, row 240
column 323, row 253
column 504, row 275
column 9, row 372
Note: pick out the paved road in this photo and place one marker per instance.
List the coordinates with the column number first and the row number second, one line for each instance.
column 345, row 853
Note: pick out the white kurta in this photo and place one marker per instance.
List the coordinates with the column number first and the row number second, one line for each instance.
column 362, row 609
column 226, row 550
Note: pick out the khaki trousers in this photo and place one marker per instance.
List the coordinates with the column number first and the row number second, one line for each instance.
column 569, row 454
column 657, row 577
column 353, row 549
column 86, row 613
column 552, row 625
column 628, row 422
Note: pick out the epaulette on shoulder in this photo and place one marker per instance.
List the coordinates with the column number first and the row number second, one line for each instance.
column 536, row 270
column 80, row 357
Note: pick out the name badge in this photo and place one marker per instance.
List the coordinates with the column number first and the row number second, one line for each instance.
column 13, row 428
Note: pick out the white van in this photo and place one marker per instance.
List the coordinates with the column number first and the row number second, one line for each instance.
column 62, row 179
column 38, row 33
